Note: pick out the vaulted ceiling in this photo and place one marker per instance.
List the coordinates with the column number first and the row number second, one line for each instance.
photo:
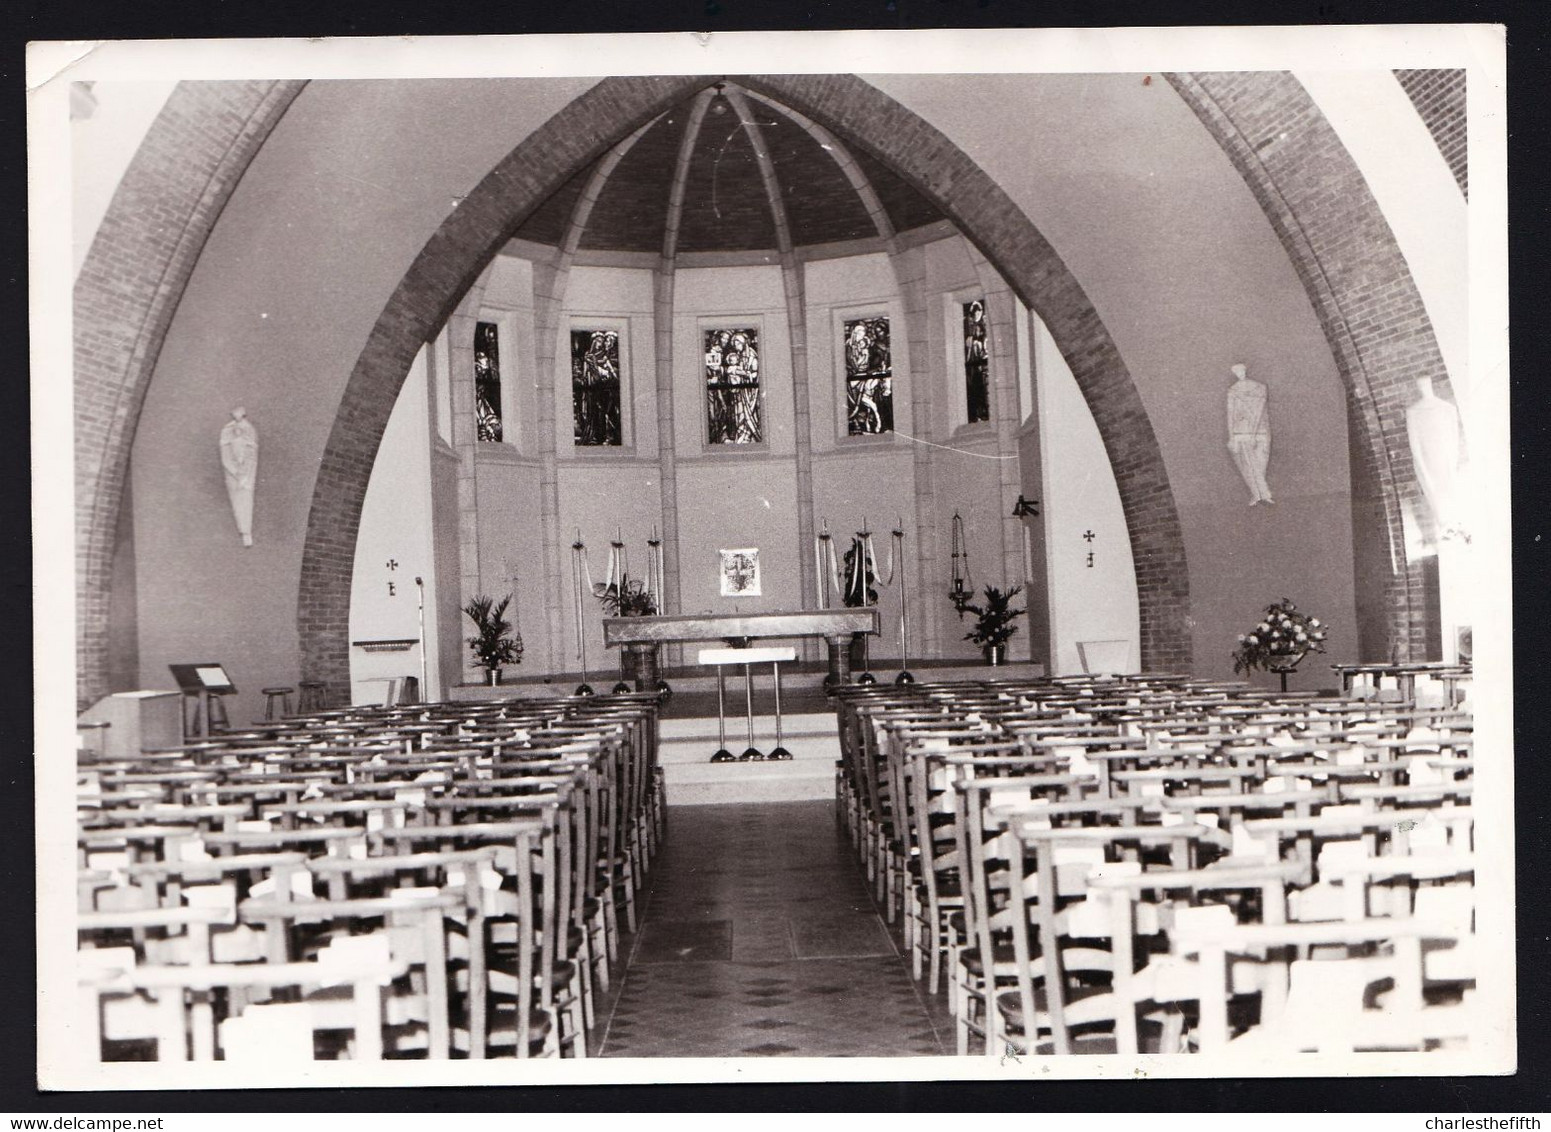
column 692, row 181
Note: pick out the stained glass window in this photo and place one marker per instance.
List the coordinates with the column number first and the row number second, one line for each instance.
column 869, row 377
column 977, row 365
column 487, row 380
column 595, row 388
column 732, row 386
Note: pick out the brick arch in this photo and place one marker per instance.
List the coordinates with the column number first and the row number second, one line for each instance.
column 861, row 115
column 1368, row 305
column 127, row 291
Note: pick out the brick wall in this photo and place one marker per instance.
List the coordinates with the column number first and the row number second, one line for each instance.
column 444, row 270
column 129, row 286
column 1372, row 314
column 1439, row 97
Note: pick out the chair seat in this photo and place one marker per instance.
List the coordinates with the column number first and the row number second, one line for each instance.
column 949, row 887
column 502, row 1030
column 1084, row 1006
column 1002, row 958
column 504, row 983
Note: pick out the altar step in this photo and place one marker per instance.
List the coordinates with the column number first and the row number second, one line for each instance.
column 795, row 678
column 686, row 745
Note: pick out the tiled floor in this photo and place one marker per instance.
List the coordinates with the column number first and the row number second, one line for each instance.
column 759, row 939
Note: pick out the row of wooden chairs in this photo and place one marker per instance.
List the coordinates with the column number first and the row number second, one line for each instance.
column 1156, row 863
column 419, row 881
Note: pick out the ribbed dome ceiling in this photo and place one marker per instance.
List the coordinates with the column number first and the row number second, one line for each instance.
column 828, row 192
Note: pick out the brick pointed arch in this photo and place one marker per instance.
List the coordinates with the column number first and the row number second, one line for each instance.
column 1357, row 280
column 128, row 289
column 862, row 116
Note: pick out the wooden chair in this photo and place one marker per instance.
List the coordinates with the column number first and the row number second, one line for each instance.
column 406, row 927
column 1334, row 1004
column 182, row 1018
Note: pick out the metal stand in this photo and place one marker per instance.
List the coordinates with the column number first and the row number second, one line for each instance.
column 747, row 657
column 865, row 569
column 723, row 755
column 904, row 676
column 577, row 551
column 425, row 685
column 751, row 751
column 866, row 677
column 778, row 753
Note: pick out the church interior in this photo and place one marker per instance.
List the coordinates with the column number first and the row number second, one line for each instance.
column 799, row 565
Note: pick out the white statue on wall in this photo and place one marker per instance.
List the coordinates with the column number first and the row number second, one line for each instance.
column 239, row 460
column 1432, row 426
column 1249, row 433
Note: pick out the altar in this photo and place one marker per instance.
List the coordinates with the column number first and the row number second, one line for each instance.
column 644, row 635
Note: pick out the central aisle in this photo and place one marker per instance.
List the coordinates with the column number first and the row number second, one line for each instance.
column 759, row 939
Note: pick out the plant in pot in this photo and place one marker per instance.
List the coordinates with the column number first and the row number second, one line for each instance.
column 629, row 598
column 993, row 622
column 496, row 643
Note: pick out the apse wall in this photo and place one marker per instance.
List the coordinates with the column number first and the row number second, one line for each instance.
column 965, row 457
column 1189, row 278
column 745, row 496
column 863, row 481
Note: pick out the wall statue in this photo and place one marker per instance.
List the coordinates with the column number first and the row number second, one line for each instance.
column 239, row 460
column 1249, row 434
column 1432, row 426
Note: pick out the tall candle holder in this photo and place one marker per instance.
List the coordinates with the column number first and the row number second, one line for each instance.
column 580, row 576
column 962, row 588
column 655, row 590
column 826, row 566
column 898, row 554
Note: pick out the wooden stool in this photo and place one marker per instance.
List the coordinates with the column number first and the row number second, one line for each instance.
column 271, row 696
column 208, row 715
column 312, row 696
column 215, row 713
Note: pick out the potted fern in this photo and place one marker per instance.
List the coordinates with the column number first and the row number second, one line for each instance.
column 495, row 643
column 993, row 622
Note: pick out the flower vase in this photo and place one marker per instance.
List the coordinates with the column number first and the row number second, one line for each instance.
column 996, row 655
column 1285, row 665
column 493, row 677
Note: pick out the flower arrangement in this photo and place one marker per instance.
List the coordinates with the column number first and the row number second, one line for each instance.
column 496, row 644
column 994, row 620
column 1280, row 640
column 628, row 598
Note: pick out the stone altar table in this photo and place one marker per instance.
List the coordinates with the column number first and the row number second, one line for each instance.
column 644, row 635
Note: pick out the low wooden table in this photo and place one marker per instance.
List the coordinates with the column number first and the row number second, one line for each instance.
column 644, row 635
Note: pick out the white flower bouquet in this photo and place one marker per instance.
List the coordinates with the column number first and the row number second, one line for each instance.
column 1280, row 640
